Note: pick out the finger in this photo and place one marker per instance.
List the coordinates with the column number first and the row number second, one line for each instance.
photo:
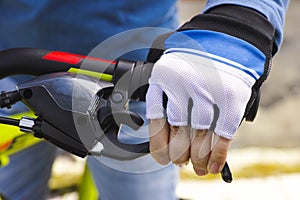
column 154, row 102
column 159, row 139
column 200, row 150
column 179, row 146
column 218, row 154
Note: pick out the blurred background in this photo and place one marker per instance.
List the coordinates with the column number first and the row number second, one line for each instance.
column 265, row 155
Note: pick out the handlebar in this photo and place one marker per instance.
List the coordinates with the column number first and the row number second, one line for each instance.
column 129, row 76
column 40, row 61
column 34, row 61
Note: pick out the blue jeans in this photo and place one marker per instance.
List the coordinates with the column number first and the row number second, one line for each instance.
column 141, row 179
column 27, row 175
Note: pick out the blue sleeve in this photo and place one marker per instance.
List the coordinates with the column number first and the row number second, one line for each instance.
column 274, row 10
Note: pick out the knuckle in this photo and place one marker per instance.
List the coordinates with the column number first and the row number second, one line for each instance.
column 177, row 155
column 199, row 163
column 158, row 147
column 219, row 156
column 157, row 126
column 199, row 135
column 160, row 156
column 199, row 157
column 174, row 130
column 181, row 133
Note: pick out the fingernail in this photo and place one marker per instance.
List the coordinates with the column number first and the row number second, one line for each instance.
column 200, row 172
column 214, row 168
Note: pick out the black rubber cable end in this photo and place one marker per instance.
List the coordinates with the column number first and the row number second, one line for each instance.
column 226, row 173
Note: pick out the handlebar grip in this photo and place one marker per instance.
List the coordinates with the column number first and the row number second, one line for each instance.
column 34, row 61
column 28, row 61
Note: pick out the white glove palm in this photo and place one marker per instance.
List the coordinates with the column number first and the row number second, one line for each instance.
column 207, row 80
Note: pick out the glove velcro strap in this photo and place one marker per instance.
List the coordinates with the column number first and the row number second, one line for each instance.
column 248, row 25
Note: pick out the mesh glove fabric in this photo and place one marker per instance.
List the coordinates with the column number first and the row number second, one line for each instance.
column 207, row 77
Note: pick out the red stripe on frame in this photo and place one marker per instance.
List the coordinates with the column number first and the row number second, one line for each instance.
column 72, row 58
column 63, row 57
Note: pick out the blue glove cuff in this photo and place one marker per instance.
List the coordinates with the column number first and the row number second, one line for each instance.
column 222, row 45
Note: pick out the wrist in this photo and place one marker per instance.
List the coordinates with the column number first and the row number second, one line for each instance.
column 238, row 21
